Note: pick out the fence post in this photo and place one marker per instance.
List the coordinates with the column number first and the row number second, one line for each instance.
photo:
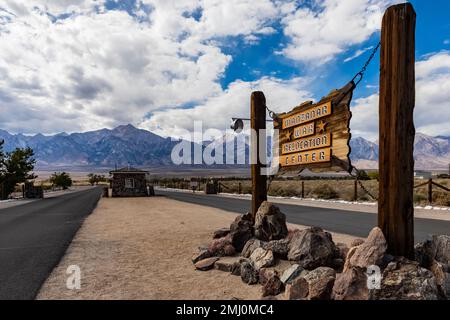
column 355, row 190
column 430, row 191
column 396, row 106
column 303, row 189
column 239, row 188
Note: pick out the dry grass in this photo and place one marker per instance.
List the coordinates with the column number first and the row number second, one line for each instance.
column 338, row 189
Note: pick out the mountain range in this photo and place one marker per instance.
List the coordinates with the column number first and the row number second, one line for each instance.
column 127, row 145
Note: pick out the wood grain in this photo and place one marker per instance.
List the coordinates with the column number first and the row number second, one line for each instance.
column 397, row 99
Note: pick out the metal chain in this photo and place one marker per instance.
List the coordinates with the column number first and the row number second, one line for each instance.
column 360, row 74
column 271, row 113
column 360, row 183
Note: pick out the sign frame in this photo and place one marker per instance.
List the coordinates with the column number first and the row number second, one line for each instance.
column 336, row 122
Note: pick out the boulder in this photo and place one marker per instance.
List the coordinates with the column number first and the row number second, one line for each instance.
column 312, row 248
column 442, row 279
column 290, row 274
column 241, row 230
column 200, row 255
column 250, row 246
column 270, row 223
column 297, row 290
column 350, row 285
column 320, row 283
column 271, row 283
column 424, row 253
column 371, row 252
column 280, row 248
column 220, row 233
column 226, row 264
column 206, row 264
column 221, row 247
column 343, row 250
column 406, row 280
column 249, row 274
column 262, row 258
column 356, row 242
column 442, row 244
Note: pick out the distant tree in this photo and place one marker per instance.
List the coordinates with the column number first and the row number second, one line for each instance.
column 61, row 179
column 94, row 179
column 15, row 167
column 362, row 175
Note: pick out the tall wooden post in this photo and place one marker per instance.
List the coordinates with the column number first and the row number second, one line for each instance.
column 397, row 99
column 258, row 122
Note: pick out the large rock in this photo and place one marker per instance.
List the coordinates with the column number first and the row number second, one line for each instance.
column 442, row 279
column 320, row 283
column 262, row 258
column 343, row 250
column 312, row 248
column 351, row 285
column 280, row 248
column 424, row 253
column 227, row 264
column 406, row 280
column 271, row 283
column 291, row 273
column 221, row 247
column 270, row 222
column 371, row 252
column 249, row 274
column 442, row 244
column 200, row 255
column 297, row 290
column 250, row 246
column 220, row 233
column 241, row 230
column 206, row 264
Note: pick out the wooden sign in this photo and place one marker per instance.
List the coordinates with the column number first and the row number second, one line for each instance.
column 316, row 136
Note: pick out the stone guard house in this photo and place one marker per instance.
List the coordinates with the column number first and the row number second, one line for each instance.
column 129, row 182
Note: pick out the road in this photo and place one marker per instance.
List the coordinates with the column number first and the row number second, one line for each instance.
column 353, row 223
column 34, row 237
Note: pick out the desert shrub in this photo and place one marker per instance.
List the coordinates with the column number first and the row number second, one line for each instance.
column 374, row 175
column 325, row 192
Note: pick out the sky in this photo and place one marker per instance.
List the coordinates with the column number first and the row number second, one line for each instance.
column 81, row 65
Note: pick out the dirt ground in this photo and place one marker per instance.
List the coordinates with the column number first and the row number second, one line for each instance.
column 141, row 248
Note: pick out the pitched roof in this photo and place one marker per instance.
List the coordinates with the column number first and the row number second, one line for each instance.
column 128, row 170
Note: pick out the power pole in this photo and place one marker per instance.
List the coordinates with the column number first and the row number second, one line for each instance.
column 258, row 122
column 397, row 99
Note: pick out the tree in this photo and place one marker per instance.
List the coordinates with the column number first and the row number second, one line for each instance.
column 61, row 179
column 15, row 167
column 96, row 178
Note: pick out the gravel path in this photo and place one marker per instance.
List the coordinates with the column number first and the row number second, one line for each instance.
column 140, row 248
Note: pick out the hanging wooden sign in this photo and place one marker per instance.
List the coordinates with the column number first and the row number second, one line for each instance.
column 316, row 136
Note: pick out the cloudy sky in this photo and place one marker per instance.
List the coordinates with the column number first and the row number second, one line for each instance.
column 78, row 65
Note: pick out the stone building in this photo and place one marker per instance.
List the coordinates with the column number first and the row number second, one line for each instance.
column 129, row 182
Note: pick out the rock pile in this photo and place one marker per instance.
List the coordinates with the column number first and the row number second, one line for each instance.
column 308, row 265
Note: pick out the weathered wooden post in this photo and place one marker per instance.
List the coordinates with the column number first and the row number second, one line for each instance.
column 258, row 122
column 430, row 191
column 396, row 105
column 303, row 189
column 355, row 190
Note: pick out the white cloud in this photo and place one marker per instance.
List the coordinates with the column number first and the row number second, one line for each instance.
column 98, row 68
column 217, row 111
column 432, row 109
column 330, row 27
column 357, row 54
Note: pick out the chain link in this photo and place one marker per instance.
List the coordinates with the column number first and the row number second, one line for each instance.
column 360, row 183
column 360, row 74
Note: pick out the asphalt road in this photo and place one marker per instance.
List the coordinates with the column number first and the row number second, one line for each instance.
column 340, row 221
column 35, row 236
